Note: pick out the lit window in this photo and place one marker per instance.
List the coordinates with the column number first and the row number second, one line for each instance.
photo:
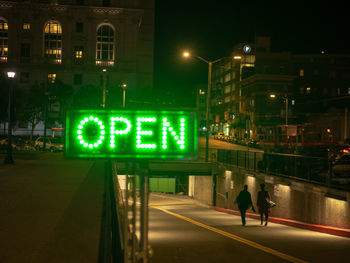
column 26, row 26
column 53, row 41
column 3, row 40
column 227, row 89
column 301, row 73
column 105, row 46
column 78, row 52
column 308, row 90
column 51, row 77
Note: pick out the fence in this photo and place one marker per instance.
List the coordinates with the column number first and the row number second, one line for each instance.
column 313, row 169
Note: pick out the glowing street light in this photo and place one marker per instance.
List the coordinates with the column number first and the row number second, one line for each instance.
column 124, row 85
column 187, row 54
column 11, row 74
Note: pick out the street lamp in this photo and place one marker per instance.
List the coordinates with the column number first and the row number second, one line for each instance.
column 124, row 85
column 9, row 160
column 187, row 54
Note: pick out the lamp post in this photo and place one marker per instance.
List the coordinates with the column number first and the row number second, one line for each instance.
column 9, row 160
column 104, row 72
column 124, row 85
column 187, row 54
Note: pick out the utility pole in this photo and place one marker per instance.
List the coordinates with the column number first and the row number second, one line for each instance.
column 207, row 114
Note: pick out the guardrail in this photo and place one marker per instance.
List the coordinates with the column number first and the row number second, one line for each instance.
column 118, row 221
column 306, row 168
column 134, row 241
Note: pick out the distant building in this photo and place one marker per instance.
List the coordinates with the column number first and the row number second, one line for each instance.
column 281, row 97
column 91, row 43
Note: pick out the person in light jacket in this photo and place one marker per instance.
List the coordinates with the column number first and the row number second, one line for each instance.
column 263, row 204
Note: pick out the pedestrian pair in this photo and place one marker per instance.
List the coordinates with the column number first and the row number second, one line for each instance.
column 244, row 201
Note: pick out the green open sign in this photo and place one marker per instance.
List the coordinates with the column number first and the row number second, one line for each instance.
column 130, row 134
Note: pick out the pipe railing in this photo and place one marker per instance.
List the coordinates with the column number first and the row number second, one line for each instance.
column 306, row 168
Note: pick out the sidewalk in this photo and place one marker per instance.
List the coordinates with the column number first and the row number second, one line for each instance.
column 50, row 210
column 319, row 228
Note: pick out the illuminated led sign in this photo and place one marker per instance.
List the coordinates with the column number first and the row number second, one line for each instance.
column 130, row 134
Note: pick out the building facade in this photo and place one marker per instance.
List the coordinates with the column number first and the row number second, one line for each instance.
column 91, row 45
column 281, row 97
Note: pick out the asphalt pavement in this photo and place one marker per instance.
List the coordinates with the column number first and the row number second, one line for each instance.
column 182, row 230
column 50, row 210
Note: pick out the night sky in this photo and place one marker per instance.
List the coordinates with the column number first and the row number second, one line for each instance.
column 212, row 28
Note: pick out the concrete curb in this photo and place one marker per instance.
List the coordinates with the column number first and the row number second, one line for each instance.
column 343, row 232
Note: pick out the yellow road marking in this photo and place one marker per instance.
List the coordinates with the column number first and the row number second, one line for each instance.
column 237, row 238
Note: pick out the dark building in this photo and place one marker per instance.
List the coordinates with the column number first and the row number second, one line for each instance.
column 281, row 97
column 80, row 45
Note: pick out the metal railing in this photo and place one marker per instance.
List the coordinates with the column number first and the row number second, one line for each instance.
column 306, row 168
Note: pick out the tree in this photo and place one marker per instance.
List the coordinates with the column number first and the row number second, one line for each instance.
column 34, row 106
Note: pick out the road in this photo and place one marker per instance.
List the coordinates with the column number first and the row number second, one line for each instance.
column 216, row 144
column 183, row 231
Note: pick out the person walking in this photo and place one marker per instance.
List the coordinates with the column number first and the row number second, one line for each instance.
column 263, row 204
column 244, row 201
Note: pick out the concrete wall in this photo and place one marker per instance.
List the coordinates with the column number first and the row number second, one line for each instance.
column 203, row 189
column 295, row 200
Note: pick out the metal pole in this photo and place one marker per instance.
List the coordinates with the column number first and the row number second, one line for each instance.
column 123, row 97
column 134, row 214
column 208, row 112
column 9, row 159
column 104, row 88
column 144, row 215
column 126, row 221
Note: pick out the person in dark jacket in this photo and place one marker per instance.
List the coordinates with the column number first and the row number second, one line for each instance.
column 263, row 204
column 244, row 201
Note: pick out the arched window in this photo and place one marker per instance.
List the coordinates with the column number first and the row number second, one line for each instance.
column 3, row 40
column 53, row 41
column 105, row 45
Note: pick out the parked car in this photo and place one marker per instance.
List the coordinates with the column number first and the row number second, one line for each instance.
column 231, row 139
column 18, row 143
column 50, row 145
column 219, row 136
column 4, row 143
column 341, row 167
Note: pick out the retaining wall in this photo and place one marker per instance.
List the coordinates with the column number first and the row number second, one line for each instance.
column 295, row 200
